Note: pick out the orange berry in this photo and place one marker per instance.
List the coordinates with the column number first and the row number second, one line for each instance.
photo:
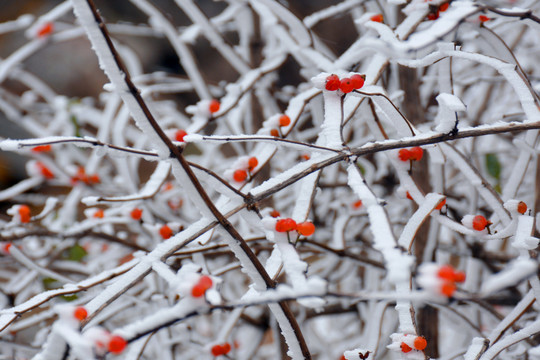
column 46, row 29
column 94, row 179
column 357, row 204
column 377, row 18
column 448, row 289
column 416, row 153
column 165, row 232
column 446, row 272
column 420, row 343
column 179, row 135
column 24, row 213
column 441, row 204
column 117, row 344
column 357, row 81
column 405, row 348
column 285, row 225
column 206, row 282
column 226, row 348
column 479, row 223
column 459, row 277
column 284, row 120
column 274, row 132
column 275, row 214
column 214, row 106
column 198, row 290
column 98, row 214
column 240, row 175
column 404, row 154
column 41, row 148
column 136, row 214
column 252, row 163
column 80, row 313
column 332, row 82
column 346, row 85
column 306, row 157
column 217, row 350
column 7, row 247
column 444, row 7
column 48, row 174
column 522, row 207
column 306, row 228
column 483, row 18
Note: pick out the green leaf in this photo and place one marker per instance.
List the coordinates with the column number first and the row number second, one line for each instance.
column 76, row 253
column 49, row 283
column 362, row 170
column 493, row 166
column 72, row 297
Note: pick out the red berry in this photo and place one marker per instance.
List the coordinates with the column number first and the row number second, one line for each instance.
column 214, row 106
column 522, row 207
column 206, row 282
column 136, row 214
column 284, row 120
column 441, row 204
column 306, row 156
column 240, row 175
column 357, row 204
column 41, row 148
column 7, row 247
column 357, row 81
column 198, row 290
column 405, row 348
column 94, row 179
column 409, row 196
column 117, row 344
column 444, row 7
column 48, row 174
column 217, row 350
column 274, row 132
column 479, row 223
column 448, row 289
column 275, row 214
column 345, row 85
column 179, row 135
column 433, row 16
column 252, row 163
column 332, row 83
column 285, row 225
column 404, row 154
column 98, row 214
column 459, row 277
column 24, row 213
column 226, row 348
column 46, row 29
column 306, row 228
column 80, row 313
column 165, row 232
column 420, row 343
column 483, row 18
column 446, row 272
column 416, row 153
column 377, row 18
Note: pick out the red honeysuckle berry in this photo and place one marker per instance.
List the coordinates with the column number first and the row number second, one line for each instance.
column 483, row 18
column 117, row 344
column 217, row 350
column 343, row 357
column 46, row 29
column 332, row 83
column 240, row 175
column 7, row 247
column 448, row 288
column 459, row 277
column 252, row 163
column 41, row 148
column 214, row 106
column 479, row 223
column 285, row 225
column 226, row 348
column 306, row 156
column 99, row 214
column 404, row 154
column 357, row 81
column 284, row 120
column 521, row 207
column 275, row 214
column 433, row 16
column 24, row 213
column 444, row 7
column 45, row 171
column 416, row 153
column 405, row 348
column 306, row 228
column 440, row 205
column 274, row 132
column 345, row 85
column 408, row 194
column 198, row 290
column 136, row 214
column 446, row 272
column 165, row 232
column 80, row 313
column 377, row 18
column 420, row 343
column 357, row 204
column 94, row 179
column 179, row 135
column 206, row 282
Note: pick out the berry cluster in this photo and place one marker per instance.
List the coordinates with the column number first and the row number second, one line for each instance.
column 439, row 279
column 81, row 176
column 221, row 349
column 434, row 15
column 449, row 279
column 345, row 85
column 283, row 121
column 413, row 154
column 199, row 289
column 240, row 175
column 419, row 343
column 287, row 225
